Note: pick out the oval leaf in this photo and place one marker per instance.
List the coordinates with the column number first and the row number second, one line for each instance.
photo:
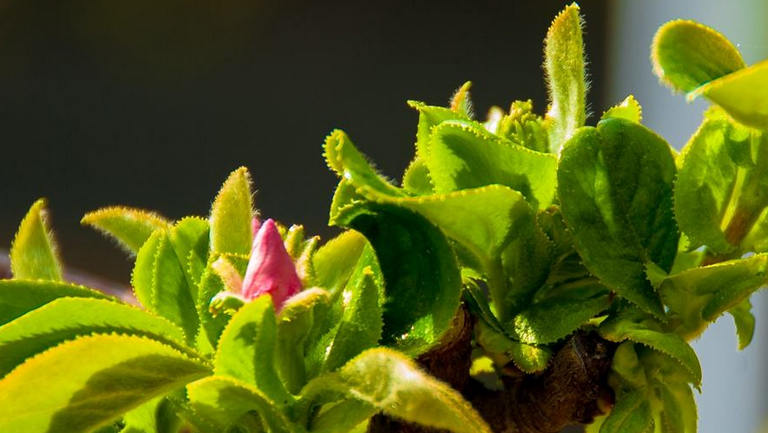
column 232, row 215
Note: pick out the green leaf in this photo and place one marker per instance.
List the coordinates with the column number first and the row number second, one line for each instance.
column 211, row 285
column 190, row 239
column 223, row 401
column 335, row 261
column 550, row 320
column 128, row 226
column 429, row 117
column 522, row 126
column 395, row 385
column 423, row 285
column 246, row 349
column 342, row 417
column 155, row 416
column 529, row 358
column 632, row 414
column 628, row 109
column 687, row 54
column 232, row 215
column 33, row 252
column 171, row 294
column 143, row 275
column 679, row 407
column 361, row 323
column 634, row 327
column 565, row 70
column 463, row 155
column 700, row 295
column 742, row 95
column 461, row 102
column 67, row 318
column 416, row 179
column 744, row 321
column 615, row 190
column 720, row 188
column 344, row 158
column 626, row 365
column 482, row 219
column 88, row 382
column 18, row 297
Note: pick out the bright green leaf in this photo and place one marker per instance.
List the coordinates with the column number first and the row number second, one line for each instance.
column 342, row 417
column 86, row 383
column 211, row 285
column 429, row 117
column 335, row 261
column 742, row 94
column 18, row 297
column 33, row 252
column 232, row 215
column 615, row 190
column 423, row 284
column 128, row 226
column 222, row 401
column 628, row 109
column 171, row 294
column 461, row 102
column 522, row 126
column 463, row 155
column 190, row 238
column 142, row 278
column 744, row 321
column 631, row 414
column 550, row 320
column 416, row 179
column 564, row 65
column 246, row 349
column 687, row 54
column 67, row 318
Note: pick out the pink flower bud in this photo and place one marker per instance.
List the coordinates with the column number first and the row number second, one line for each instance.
column 270, row 268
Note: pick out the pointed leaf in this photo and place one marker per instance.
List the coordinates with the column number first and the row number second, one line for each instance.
column 565, row 70
column 128, row 226
column 342, row 417
column 171, row 295
column 423, row 285
column 232, row 215
column 628, row 109
column 335, row 261
column 687, row 54
column 246, row 349
column 190, row 238
column 223, row 401
column 742, row 95
column 416, row 179
column 550, row 320
column 632, row 414
column 464, row 155
column 429, row 117
column 18, row 297
column 142, row 278
column 33, row 252
column 615, row 190
column 67, row 318
column 88, row 382
column 744, row 321
column 392, row 383
column 210, row 286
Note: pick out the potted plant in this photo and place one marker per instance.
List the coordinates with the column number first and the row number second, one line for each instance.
column 529, row 272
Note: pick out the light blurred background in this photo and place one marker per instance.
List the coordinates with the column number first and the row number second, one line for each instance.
column 151, row 103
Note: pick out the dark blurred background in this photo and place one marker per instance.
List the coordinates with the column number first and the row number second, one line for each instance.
column 152, row 103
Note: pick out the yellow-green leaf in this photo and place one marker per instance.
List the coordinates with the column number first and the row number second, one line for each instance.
column 128, row 226
column 33, row 252
column 232, row 215
column 18, row 297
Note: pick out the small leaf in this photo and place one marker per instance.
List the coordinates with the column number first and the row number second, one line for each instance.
column 246, row 349
column 464, row 155
column 210, row 286
column 632, row 414
column 741, row 94
column 232, row 214
column 565, row 70
column 344, row 158
column 171, row 294
column 461, row 102
column 687, row 54
column 33, row 252
column 18, row 297
column 423, row 281
column 416, row 179
column 67, row 318
column 744, row 321
column 88, row 382
column 143, row 274
column 128, row 226
column 550, row 320
column 429, row 117
column 392, row 383
column 615, row 190
column 529, row 358
column 190, row 238
column 223, row 401
column 628, row 109
column 335, row 261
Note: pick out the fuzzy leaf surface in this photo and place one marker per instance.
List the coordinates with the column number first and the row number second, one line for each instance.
column 33, row 252
column 128, row 226
column 85, row 383
column 171, row 293
column 628, row 109
column 18, row 297
column 552, row 319
column 232, row 215
column 742, row 95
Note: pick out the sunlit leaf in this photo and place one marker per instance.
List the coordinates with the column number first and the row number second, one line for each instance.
column 742, row 95
column 33, row 252
column 232, row 214
column 628, row 109
column 550, row 320
column 744, row 321
column 128, row 226
column 18, row 297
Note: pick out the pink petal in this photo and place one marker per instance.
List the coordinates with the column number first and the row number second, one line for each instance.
column 270, row 268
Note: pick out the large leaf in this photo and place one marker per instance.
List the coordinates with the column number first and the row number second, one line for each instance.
column 687, row 54
column 565, row 70
column 720, row 188
column 67, row 318
column 246, row 349
column 128, row 226
column 83, row 384
column 742, row 95
column 33, row 252
column 615, row 190
column 423, row 285
column 335, row 261
column 395, row 385
column 190, row 239
column 18, row 297
column 429, row 117
column 463, row 155
column 171, row 293
column 232, row 215
column 223, row 401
